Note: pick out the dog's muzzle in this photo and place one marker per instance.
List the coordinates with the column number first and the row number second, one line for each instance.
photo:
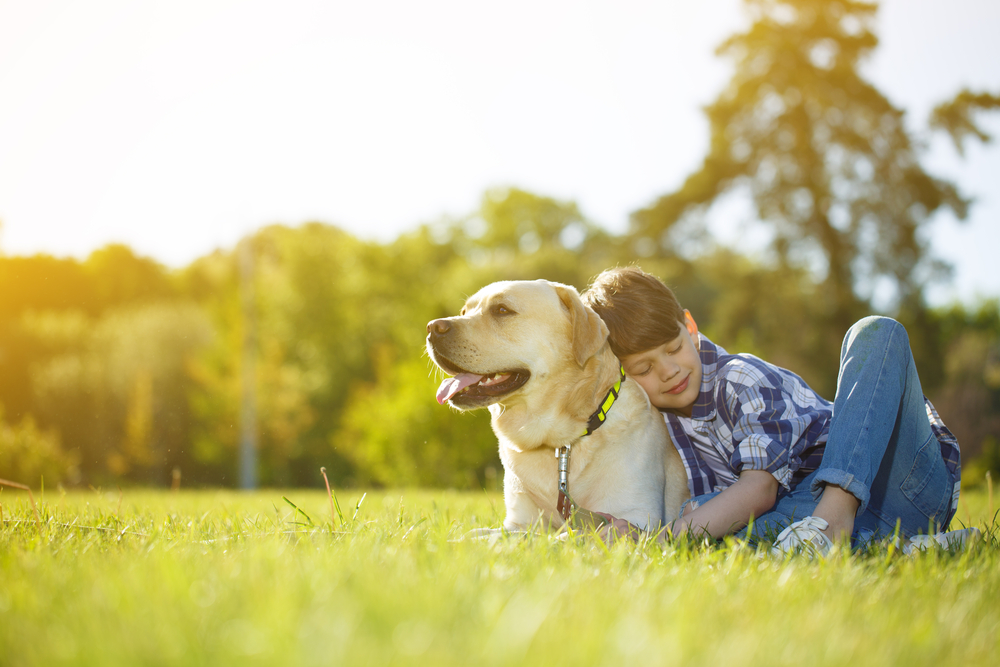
column 469, row 389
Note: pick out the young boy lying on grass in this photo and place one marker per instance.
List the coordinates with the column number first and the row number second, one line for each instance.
column 757, row 441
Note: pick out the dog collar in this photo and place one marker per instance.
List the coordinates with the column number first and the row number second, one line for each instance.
column 597, row 419
column 565, row 504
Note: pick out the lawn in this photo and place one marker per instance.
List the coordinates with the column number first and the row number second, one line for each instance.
column 224, row 578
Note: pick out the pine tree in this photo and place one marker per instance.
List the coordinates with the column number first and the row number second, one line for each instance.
column 827, row 159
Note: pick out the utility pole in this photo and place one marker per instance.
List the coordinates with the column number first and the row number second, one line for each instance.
column 248, row 406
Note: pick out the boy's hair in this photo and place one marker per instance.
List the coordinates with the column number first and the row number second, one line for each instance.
column 641, row 312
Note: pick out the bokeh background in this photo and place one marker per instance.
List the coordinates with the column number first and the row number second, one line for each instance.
column 224, row 225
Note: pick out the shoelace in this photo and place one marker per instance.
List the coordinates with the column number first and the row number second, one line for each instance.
column 812, row 522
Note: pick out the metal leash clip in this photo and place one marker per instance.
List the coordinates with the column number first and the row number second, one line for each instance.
column 564, row 505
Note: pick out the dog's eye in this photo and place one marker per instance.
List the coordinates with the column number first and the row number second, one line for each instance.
column 501, row 309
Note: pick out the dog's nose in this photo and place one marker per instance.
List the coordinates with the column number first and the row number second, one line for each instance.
column 438, row 327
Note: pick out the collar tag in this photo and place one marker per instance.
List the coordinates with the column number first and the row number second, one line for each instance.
column 565, row 504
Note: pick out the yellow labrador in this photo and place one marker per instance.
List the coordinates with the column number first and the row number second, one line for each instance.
column 539, row 359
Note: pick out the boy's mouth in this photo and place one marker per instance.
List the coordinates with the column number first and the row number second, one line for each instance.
column 680, row 386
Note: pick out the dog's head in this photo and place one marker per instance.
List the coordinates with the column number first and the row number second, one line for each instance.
column 509, row 338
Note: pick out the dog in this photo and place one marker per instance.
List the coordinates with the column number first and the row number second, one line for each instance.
column 538, row 358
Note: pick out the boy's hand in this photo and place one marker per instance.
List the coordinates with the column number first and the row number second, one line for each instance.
column 753, row 494
column 616, row 529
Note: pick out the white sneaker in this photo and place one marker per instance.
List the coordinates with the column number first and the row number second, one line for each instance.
column 805, row 535
column 953, row 539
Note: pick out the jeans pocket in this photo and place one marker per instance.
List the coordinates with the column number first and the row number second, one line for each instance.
column 929, row 485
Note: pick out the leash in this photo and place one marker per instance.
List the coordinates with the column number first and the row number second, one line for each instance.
column 565, row 505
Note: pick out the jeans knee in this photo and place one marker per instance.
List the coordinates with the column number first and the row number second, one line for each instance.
column 877, row 331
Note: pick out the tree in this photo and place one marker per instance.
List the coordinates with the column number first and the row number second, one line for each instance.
column 116, row 387
column 111, row 277
column 830, row 166
column 396, row 434
column 956, row 116
column 516, row 234
column 969, row 396
column 29, row 454
column 118, row 276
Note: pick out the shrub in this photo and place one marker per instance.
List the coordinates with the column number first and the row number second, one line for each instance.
column 28, row 453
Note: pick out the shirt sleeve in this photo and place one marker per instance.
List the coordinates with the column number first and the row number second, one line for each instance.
column 950, row 451
column 756, row 414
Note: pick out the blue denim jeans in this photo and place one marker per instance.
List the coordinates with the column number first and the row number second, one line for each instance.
column 880, row 448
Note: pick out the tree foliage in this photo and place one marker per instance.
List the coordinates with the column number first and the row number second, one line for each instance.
column 115, row 369
column 970, row 391
column 131, row 390
column 831, row 168
column 117, row 386
column 957, row 117
column 30, row 454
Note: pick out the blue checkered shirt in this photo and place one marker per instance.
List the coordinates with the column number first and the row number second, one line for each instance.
column 752, row 415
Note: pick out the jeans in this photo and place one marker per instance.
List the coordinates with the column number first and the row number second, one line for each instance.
column 880, row 447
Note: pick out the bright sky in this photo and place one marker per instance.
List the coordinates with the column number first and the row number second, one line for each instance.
column 177, row 127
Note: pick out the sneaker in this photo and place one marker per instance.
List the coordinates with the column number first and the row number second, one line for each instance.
column 954, row 539
column 806, row 536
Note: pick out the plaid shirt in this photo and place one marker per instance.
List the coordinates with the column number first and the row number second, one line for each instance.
column 752, row 415
column 950, row 452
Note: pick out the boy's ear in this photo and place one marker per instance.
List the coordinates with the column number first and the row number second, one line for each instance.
column 589, row 330
column 692, row 327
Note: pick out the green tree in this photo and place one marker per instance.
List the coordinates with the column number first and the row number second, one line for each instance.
column 111, row 277
column 118, row 276
column 117, row 389
column 769, row 311
column 396, row 434
column 968, row 398
column 324, row 301
column 289, row 371
column 519, row 235
column 392, row 430
column 28, row 454
column 957, row 117
column 826, row 158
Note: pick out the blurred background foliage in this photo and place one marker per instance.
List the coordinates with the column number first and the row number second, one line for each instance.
column 117, row 370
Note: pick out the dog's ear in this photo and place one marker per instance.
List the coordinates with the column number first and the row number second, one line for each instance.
column 589, row 330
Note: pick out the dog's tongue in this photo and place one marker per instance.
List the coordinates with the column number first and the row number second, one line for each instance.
column 452, row 386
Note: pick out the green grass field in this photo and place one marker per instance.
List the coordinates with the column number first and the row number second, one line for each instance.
column 225, row 578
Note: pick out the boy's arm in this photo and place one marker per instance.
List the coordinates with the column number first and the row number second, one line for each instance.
column 753, row 494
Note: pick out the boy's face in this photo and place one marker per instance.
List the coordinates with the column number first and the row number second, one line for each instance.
column 670, row 373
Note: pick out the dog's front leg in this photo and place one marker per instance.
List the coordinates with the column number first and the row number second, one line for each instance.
column 522, row 510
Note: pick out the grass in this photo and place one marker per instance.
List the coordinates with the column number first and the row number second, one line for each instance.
column 224, row 578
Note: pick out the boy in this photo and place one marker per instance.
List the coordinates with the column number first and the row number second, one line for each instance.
column 757, row 441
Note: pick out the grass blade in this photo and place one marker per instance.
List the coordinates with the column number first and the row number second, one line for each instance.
column 300, row 510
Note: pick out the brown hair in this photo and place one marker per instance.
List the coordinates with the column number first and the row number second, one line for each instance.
column 641, row 312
